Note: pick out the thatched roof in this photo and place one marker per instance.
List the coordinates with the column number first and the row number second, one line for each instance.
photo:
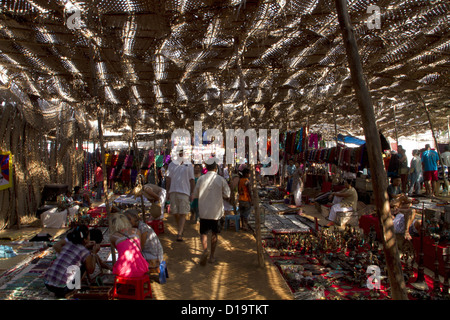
column 170, row 62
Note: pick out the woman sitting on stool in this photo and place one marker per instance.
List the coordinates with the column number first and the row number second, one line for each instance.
column 344, row 201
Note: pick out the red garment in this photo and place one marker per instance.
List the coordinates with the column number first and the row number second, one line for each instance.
column 99, row 174
column 386, row 162
column 114, row 159
column 126, row 175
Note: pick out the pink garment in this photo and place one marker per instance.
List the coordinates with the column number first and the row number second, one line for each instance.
column 314, row 141
column 151, row 158
column 129, row 161
column 131, row 263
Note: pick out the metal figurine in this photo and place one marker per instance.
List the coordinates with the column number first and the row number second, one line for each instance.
column 446, row 256
column 420, row 283
column 436, row 281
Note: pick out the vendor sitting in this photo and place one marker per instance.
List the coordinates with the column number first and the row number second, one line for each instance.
column 61, row 215
column 154, row 193
column 81, row 198
column 394, row 190
column 95, row 239
column 405, row 224
column 73, row 254
column 344, row 201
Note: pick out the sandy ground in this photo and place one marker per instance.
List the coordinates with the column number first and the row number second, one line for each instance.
column 234, row 276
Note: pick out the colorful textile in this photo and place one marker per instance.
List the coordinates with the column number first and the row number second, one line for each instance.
column 6, row 170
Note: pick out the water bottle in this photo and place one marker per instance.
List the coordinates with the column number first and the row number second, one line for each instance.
column 162, row 272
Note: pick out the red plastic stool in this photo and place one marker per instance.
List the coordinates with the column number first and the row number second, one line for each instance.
column 140, row 288
column 157, row 226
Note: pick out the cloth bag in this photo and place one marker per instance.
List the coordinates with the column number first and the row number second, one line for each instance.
column 155, row 210
column 137, row 190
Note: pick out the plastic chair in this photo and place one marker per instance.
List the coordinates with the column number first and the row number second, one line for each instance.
column 235, row 217
column 157, row 226
column 140, row 288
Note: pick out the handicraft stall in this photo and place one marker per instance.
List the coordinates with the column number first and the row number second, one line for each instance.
column 344, row 265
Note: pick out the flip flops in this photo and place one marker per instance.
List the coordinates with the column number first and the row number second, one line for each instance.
column 212, row 261
column 204, row 258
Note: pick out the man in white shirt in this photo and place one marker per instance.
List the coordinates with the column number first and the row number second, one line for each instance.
column 445, row 156
column 415, row 173
column 180, row 183
column 210, row 190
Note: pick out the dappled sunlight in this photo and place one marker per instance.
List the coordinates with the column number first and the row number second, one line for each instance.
column 234, row 276
column 218, row 290
column 275, row 280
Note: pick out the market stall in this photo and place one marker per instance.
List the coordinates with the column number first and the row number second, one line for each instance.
column 345, row 265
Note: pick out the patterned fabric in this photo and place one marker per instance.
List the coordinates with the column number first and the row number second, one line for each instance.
column 71, row 255
column 152, row 249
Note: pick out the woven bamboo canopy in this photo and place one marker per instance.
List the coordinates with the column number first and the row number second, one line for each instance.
column 161, row 64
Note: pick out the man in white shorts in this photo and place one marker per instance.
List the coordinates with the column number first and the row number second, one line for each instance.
column 180, row 183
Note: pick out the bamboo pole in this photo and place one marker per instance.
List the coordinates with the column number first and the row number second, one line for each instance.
column 105, row 181
column 94, row 92
column 335, row 125
column 395, row 125
column 255, row 196
column 135, row 154
column 155, row 169
column 373, row 143
column 448, row 129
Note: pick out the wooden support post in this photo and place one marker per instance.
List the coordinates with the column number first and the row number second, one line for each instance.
column 155, row 169
column 335, row 125
column 373, row 143
column 105, row 178
column 395, row 125
column 255, row 196
column 448, row 129
column 94, row 92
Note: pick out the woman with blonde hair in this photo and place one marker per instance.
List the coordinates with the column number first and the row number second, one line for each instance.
column 126, row 240
column 152, row 249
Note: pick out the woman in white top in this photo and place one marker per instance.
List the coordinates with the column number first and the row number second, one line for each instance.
column 344, row 201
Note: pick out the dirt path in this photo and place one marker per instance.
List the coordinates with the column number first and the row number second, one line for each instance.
column 234, row 276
